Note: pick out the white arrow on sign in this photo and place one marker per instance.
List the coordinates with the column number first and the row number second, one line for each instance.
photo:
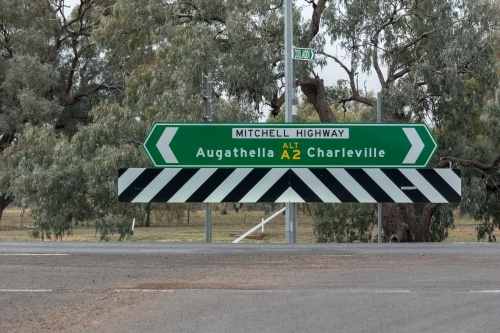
column 417, row 145
column 163, row 145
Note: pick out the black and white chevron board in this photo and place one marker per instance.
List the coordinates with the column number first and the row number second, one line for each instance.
column 368, row 185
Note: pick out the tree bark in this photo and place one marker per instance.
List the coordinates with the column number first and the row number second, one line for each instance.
column 394, row 225
column 315, row 91
column 148, row 215
column 400, row 222
column 237, row 206
column 5, row 141
column 4, row 202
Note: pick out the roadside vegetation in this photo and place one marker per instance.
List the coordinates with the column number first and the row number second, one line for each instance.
column 79, row 92
column 225, row 228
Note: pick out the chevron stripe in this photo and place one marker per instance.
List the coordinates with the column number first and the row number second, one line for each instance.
column 127, row 178
column 423, row 185
column 350, row 183
column 228, row 185
column 160, row 181
column 392, row 190
column 261, row 192
column 187, row 191
column 321, row 193
column 369, row 185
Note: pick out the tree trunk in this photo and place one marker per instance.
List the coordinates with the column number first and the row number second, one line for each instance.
column 400, row 222
column 393, row 224
column 237, row 206
column 425, row 220
column 4, row 202
column 148, row 215
column 308, row 209
column 223, row 209
column 315, row 91
column 5, row 141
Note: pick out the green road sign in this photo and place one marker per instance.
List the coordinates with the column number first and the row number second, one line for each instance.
column 289, row 145
column 303, row 54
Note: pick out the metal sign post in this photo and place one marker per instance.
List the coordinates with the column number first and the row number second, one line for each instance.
column 379, row 205
column 207, row 96
column 290, row 208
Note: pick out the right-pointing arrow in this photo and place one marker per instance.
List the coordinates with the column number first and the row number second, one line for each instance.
column 417, row 145
column 163, row 144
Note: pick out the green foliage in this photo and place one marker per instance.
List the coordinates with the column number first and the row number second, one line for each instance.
column 341, row 223
column 167, row 52
column 435, row 63
column 124, row 229
column 474, row 136
column 442, row 221
column 169, row 212
column 105, row 229
column 353, row 112
column 50, row 77
column 67, row 123
column 423, row 52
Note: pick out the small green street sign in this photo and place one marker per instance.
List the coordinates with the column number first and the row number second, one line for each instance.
column 184, row 145
column 303, row 54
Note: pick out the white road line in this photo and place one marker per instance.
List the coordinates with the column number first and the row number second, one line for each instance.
column 260, row 291
column 230, row 290
column 25, row 290
column 485, row 291
column 33, row 254
column 145, row 290
column 384, row 291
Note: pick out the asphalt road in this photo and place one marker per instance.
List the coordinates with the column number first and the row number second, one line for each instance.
column 164, row 287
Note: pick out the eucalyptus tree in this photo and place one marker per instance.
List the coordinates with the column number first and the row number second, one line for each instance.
column 472, row 142
column 51, row 74
column 423, row 53
column 169, row 45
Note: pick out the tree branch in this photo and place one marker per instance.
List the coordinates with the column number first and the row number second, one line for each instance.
column 89, row 92
column 337, row 60
column 276, row 104
column 445, row 163
column 318, row 9
column 391, row 77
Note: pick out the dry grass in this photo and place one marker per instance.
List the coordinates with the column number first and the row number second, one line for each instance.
column 225, row 229
column 464, row 231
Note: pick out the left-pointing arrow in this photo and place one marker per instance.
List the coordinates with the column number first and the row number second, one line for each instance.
column 163, row 145
column 417, row 145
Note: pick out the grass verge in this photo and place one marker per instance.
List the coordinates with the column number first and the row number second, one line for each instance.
column 225, row 229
